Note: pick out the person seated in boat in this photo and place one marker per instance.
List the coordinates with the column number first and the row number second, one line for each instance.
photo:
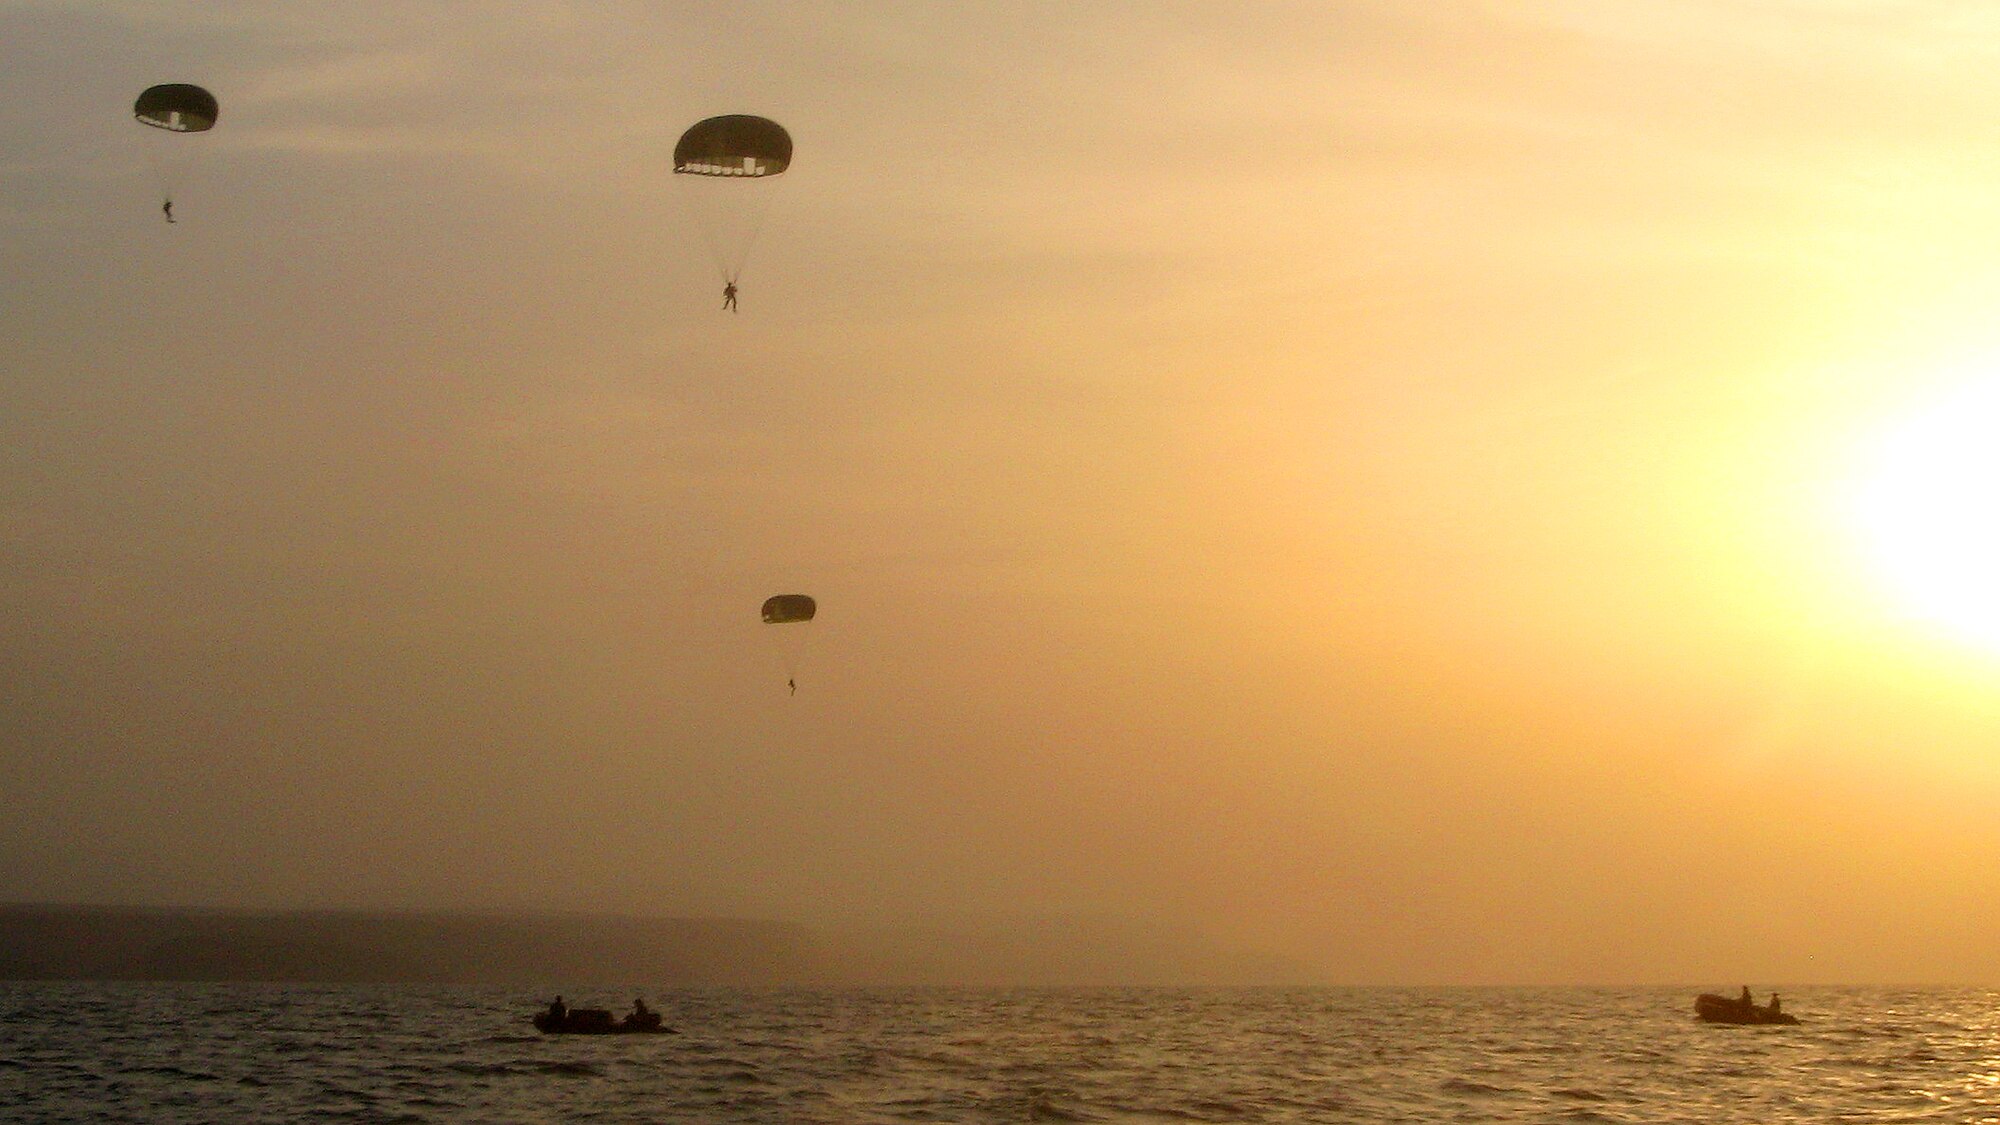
column 558, row 1011
column 641, row 1017
column 1746, row 999
column 1774, row 1004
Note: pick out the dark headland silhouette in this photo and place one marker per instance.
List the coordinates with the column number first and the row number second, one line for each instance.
column 57, row 942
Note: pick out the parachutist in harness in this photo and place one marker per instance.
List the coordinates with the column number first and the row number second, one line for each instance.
column 175, row 108
column 725, row 165
column 793, row 610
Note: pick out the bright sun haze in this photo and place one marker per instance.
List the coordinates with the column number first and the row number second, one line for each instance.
column 1928, row 510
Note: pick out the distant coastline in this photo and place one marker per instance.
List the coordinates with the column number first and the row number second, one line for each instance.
column 72, row 942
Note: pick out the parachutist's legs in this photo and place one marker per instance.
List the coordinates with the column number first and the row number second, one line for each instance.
column 793, row 685
column 167, row 209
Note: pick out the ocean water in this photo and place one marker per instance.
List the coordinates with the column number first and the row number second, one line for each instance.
column 170, row 1053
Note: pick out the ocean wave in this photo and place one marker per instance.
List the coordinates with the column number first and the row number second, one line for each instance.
column 843, row 1058
column 178, row 1073
column 1469, row 1088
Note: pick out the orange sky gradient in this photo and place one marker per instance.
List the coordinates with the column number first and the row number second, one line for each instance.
column 1373, row 482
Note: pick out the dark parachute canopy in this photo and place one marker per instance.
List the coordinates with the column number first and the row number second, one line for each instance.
column 177, row 107
column 734, row 144
column 785, row 609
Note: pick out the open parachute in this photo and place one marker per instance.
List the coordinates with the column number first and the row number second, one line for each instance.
column 177, row 107
column 791, row 609
column 169, row 112
column 734, row 144
column 728, row 168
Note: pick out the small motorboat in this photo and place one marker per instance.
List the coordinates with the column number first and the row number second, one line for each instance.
column 598, row 1021
column 1712, row 1008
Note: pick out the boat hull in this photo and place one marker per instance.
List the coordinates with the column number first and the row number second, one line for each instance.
column 598, row 1021
column 1711, row 1008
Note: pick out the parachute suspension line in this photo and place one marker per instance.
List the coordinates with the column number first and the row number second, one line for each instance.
column 731, row 215
column 799, row 659
column 702, row 213
column 750, row 237
column 169, row 158
column 711, row 235
column 163, row 174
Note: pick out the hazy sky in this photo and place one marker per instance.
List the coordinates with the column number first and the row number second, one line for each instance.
column 1411, row 485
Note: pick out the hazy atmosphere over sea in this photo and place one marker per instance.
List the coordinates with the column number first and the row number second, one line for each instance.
column 1425, row 491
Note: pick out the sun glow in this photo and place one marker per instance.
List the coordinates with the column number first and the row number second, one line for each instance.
column 1928, row 510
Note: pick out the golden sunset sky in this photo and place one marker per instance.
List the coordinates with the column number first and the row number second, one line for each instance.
column 1442, row 491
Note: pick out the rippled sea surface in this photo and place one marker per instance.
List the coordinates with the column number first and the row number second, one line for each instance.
column 93, row 1052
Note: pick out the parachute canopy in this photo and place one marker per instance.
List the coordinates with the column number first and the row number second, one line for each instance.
column 733, row 145
column 177, row 107
column 785, row 609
